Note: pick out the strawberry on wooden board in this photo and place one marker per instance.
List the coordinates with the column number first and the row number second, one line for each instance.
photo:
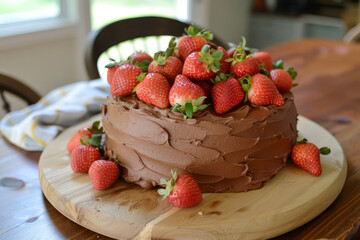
column 261, row 90
column 86, row 136
column 75, row 142
column 82, row 157
column 193, row 41
column 202, row 65
column 139, row 57
column 265, row 59
column 181, row 191
column 124, row 79
column 166, row 64
column 307, row 156
column 186, row 97
column 154, row 89
column 103, row 174
column 226, row 95
column 243, row 64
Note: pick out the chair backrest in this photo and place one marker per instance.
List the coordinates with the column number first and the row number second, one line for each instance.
column 19, row 89
column 353, row 35
column 119, row 39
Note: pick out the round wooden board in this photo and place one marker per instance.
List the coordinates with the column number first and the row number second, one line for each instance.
column 290, row 199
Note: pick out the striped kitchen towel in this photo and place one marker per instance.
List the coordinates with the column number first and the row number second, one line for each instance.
column 35, row 126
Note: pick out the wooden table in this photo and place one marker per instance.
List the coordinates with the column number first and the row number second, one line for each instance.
column 328, row 93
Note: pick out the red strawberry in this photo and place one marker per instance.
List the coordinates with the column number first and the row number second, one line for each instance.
column 261, row 90
column 193, row 42
column 82, row 157
column 75, row 139
column 103, row 174
column 111, row 70
column 166, row 64
column 202, row 65
column 125, row 79
column 181, row 191
column 224, row 67
column 154, row 89
column 139, row 57
column 226, row 95
column 281, row 79
column 243, row 64
column 186, row 97
column 265, row 59
column 307, row 156
column 205, row 85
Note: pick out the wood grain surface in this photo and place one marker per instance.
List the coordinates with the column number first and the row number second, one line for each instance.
column 125, row 211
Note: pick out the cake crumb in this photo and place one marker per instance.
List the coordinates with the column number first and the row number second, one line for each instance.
column 200, row 213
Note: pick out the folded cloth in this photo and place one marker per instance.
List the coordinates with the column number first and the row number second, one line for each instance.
column 35, row 126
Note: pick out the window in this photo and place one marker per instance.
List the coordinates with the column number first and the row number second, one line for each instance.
column 106, row 11
column 15, row 11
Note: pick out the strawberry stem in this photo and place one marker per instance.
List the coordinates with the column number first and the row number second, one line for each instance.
column 325, row 150
column 169, row 185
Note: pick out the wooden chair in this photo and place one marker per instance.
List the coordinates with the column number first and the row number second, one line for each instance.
column 119, row 39
column 19, row 89
column 353, row 35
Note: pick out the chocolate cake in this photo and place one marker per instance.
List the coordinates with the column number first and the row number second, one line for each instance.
column 232, row 152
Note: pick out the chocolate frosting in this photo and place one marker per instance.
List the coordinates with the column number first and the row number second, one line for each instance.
column 233, row 152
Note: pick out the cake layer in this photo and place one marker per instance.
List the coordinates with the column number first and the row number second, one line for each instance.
column 234, row 152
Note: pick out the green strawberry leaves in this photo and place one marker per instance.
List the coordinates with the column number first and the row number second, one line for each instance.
column 96, row 135
column 211, row 57
column 190, row 108
column 193, row 30
column 169, row 185
column 161, row 56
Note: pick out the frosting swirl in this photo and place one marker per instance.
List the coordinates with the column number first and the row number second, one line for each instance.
column 233, row 152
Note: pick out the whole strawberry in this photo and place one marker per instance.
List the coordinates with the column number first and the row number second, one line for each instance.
column 154, row 89
column 206, row 86
column 75, row 140
column 103, row 174
column 124, row 79
column 138, row 57
column 243, row 64
column 186, row 97
column 226, row 95
column 261, row 90
column 181, row 191
column 166, row 64
column 307, row 156
column 112, row 67
column 193, row 41
column 264, row 59
column 224, row 65
column 281, row 79
column 82, row 157
column 202, row 65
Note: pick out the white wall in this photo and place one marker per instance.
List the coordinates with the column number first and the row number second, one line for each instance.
column 228, row 19
column 48, row 58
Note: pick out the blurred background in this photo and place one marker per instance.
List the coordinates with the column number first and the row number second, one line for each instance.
column 42, row 41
